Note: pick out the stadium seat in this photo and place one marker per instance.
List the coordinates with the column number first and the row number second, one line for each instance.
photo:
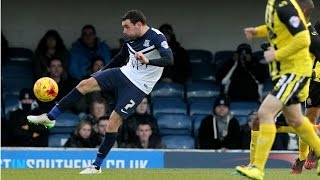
column 168, row 90
column 57, row 140
column 178, row 142
column 160, row 99
column 200, row 55
column 202, row 71
column 243, row 107
column 201, row 100
column 13, row 85
column 65, row 123
column 11, row 103
column 200, row 108
column 203, row 89
column 20, row 54
column 174, row 124
column 169, row 107
column 197, row 118
column 221, row 57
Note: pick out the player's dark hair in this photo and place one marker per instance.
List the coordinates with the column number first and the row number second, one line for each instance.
column 135, row 16
column 42, row 46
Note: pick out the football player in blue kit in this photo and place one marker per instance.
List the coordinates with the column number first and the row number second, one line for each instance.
column 146, row 51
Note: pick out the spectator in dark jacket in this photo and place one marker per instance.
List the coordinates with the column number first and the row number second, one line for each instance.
column 180, row 72
column 146, row 139
column 83, row 136
column 102, row 129
column 50, row 45
column 243, row 76
column 24, row 133
column 220, row 130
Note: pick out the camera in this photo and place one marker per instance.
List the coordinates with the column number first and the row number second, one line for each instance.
column 265, row 46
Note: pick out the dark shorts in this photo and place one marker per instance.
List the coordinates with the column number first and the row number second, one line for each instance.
column 314, row 95
column 127, row 95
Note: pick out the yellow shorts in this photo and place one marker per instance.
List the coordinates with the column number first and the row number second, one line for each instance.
column 291, row 89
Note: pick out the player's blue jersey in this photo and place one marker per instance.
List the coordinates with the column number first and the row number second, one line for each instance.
column 153, row 45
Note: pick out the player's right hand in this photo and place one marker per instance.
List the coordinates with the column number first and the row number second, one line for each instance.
column 250, row 32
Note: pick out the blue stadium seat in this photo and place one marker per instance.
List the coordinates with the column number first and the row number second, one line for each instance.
column 13, row 85
column 200, row 55
column 243, row 107
column 242, row 119
column 202, row 71
column 178, row 142
column 221, row 57
column 168, row 89
column 160, row 99
column 200, row 108
column 174, row 124
column 169, row 107
column 65, row 123
column 57, row 140
column 20, row 54
column 11, row 103
column 201, row 100
column 203, row 89
column 197, row 118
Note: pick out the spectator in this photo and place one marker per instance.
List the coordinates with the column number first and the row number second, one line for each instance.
column 220, row 130
column 97, row 64
column 102, row 129
column 50, row 45
column 56, row 71
column 127, row 133
column 23, row 133
column 98, row 108
column 243, row 76
column 146, row 139
column 84, row 50
column 82, row 137
column 180, row 72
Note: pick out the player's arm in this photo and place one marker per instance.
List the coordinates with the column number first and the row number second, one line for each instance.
column 118, row 59
column 289, row 16
column 261, row 31
column 166, row 58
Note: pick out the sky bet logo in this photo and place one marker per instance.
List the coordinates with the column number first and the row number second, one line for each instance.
column 69, row 163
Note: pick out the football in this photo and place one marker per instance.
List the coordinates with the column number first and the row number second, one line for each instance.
column 45, row 89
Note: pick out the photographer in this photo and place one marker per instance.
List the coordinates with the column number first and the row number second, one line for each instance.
column 242, row 77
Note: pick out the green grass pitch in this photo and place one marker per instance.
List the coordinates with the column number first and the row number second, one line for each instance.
column 150, row 174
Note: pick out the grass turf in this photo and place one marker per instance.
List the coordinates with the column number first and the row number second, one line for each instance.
column 150, row 174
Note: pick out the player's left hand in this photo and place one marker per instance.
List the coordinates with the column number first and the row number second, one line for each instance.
column 269, row 54
column 141, row 58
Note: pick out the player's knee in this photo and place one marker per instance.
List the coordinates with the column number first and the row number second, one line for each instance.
column 113, row 125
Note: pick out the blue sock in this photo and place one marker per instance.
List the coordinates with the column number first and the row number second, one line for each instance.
column 65, row 103
column 105, row 146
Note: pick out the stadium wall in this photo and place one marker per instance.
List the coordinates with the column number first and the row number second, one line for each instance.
column 134, row 158
column 213, row 25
